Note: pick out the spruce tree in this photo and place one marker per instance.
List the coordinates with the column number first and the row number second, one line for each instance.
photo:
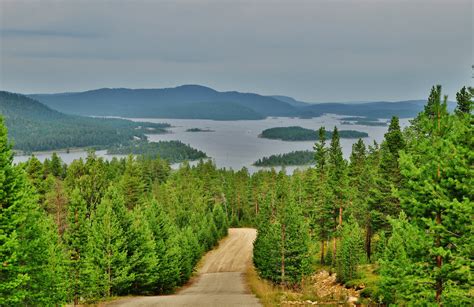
column 108, row 248
column 142, row 259
column 324, row 211
column 80, row 271
column 30, row 253
column 464, row 101
column 337, row 184
column 350, row 251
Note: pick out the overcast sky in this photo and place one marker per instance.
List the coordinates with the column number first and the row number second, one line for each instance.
column 315, row 50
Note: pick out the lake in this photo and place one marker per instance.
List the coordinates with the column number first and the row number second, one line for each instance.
column 235, row 144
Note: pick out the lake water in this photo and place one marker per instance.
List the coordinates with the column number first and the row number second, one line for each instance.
column 235, row 144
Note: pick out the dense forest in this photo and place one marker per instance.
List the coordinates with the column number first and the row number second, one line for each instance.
column 171, row 151
column 296, row 133
column 401, row 210
column 300, row 157
column 34, row 127
column 396, row 218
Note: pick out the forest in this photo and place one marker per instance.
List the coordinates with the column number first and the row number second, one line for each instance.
column 401, row 210
column 300, row 157
column 34, row 127
column 171, row 151
column 296, row 133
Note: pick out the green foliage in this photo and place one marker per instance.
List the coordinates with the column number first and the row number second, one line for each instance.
column 282, row 247
column 464, row 100
column 350, row 251
column 302, row 157
column 35, row 127
column 296, row 133
column 172, row 151
column 28, row 240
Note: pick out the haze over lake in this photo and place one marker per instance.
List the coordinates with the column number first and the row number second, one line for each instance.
column 235, row 144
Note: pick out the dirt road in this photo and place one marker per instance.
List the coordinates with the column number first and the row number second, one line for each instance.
column 220, row 280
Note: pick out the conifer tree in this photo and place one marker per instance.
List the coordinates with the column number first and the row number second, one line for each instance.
column 142, row 258
column 437, row 197
column 324, row 211
column 31, row 257
column 167, row 249
column 76, row 237
column 464, row 101
column 350, row 251
column 108, row 244
column 337, row 184
column 295, row 243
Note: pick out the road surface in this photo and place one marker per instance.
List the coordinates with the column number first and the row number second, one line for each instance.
column 220, row 280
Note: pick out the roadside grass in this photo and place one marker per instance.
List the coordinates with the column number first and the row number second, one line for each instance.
column 275, row 295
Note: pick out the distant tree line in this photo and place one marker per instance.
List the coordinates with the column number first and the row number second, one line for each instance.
column 171, row 151
column 35, row 127
column 302, row 157
column 296, row 133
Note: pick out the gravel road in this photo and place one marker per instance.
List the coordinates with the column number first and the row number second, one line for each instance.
column 220, row 280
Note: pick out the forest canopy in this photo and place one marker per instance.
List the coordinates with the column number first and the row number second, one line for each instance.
column 301, row 157
column 34, row 127
column 296, row 133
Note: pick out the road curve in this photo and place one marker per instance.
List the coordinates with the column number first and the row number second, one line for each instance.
column 220, row 280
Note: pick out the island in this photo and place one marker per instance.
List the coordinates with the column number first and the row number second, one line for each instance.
column 172, row 151
column 300, row 157
column 296, row 133
column 198, row 130
column 363, row 121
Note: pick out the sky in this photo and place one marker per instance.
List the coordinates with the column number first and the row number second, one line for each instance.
column 314, row 50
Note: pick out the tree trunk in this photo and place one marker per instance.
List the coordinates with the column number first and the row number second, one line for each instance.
column 439, row 264
column 322, row 252
column 368, row 240
column 283, row 253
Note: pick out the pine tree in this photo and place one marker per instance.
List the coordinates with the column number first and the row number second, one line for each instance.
column 76, row 239
column 167, row 249
column 404, row 277
column 324, row 211
column 295, row 243
column 437, row 197
column 142, row 258
column 383, row 202
column 350, row 251
column 28, row 240
column 132, row 184
column 464, row 101
column 337, row 184
column 108, row 247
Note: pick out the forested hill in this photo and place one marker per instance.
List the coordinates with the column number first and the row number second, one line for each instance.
column 200, row 102
column 34, row 127
column 187, row 101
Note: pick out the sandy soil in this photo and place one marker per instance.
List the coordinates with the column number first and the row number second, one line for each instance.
column 220, row 280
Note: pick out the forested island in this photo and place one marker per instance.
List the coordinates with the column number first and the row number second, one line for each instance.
column 301, row 157
column 171, row 151
column 35, row 127
column 394, row 221
column 198, row 130
column 364, row 121
column 296, row 133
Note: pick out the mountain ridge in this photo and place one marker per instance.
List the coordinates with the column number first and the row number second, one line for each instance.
column 192, row 101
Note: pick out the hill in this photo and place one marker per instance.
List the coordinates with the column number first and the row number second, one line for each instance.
column 34, row 127
column 201, row 102
column 187, row 101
